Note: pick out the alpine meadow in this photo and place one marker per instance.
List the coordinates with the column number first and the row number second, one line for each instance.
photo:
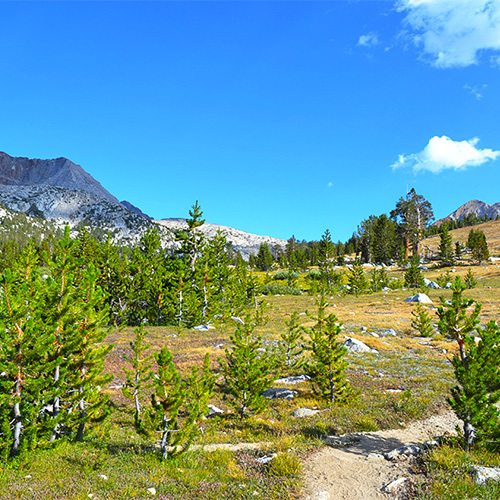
column 291, row 290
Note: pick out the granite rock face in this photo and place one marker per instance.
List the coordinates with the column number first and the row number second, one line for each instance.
column 59, row 172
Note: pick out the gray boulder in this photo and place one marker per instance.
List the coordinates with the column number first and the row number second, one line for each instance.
column 354, row 345
column 403, row 452
column 483, row 474
column 420, row 297
column 279, row 394
column 304, row 412
column 294, row 379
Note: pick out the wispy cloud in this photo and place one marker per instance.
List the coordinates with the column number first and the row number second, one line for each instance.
column 475, row 90
column 454, row 33
column 368, row 40
column 443, row 153
column 330, row 184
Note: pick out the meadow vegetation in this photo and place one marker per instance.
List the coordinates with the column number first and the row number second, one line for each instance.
column 148, row 340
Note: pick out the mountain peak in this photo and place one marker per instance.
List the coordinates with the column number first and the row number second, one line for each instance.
column 58, row 172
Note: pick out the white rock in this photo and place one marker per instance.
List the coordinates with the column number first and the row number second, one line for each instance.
column 151, row 491
column 103, row 476
column 354, row 345
column 395, row 485
column 304, row 412
column 204, row 328
column 266, row 460
column 213, row 410
column 403, row 451
column 420, row 297
column 483, row 474
column 294, row 379
column 390, row 331
column 279, row 394
column 236, row 319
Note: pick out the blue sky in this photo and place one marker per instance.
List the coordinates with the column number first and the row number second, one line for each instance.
column 281, row 118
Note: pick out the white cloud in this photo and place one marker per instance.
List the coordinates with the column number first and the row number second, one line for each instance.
column 443, row 153
column 475, row 90
column 368, row 40
column 453, row 33
column 330, row 184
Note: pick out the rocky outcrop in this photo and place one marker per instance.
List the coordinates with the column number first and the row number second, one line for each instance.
column 473, row 207
column 245, row 243
column 59, row 172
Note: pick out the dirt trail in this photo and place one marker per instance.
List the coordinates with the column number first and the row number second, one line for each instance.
column 359, row 471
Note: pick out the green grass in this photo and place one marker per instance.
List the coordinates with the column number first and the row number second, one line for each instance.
column 408, row 379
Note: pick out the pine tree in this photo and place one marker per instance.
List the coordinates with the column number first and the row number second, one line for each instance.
column 356, row 279
column 454, row 321
column 470, row 279
column 413, row 275
column 247, row 370
column 291, row 349
column 327, row 364
column 177, row 404
column 475, row 398
column 422, row 321
column 264, row 258
column 414, row 213
column 139, row 377
column 446, row 255
column 326, row 262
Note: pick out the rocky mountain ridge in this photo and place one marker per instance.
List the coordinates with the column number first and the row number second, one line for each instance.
column 245, row 243
column 64, row 193
column 474, row 207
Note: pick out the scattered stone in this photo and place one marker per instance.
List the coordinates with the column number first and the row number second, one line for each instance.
column 354, row 345
column 219, row 346
column 304, row 412
column 386, row 289
column 403, row 452
column 394, row 391
column 447, row 286
column 279, row 394
column 431, row 284
column 373, row 334
column 151, row 491
column 374, row 456
column 390, row 331
column 420, row 297
column 204, row 328
column 213, row 411
column 266, row 460
column 236, row 319
column 29, row 476
column 294, row 379
column 395, row 485
column 483, row 474
column 345, row 440
column 364, row 329
column 103, row 476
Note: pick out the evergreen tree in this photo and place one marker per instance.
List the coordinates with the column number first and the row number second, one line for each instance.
column 247, row 370
column 192, row 240
column 139, row 377
column 356, row 279
column 422, row 321
column 291, row 349
column 446, row 254
column 264, row 258
column 413, row 275
column 413, row 213
column 454, row 321
column 478, row 245
column 475, row 398
column 470, row 279
column 378, row 279
column 177, row 404
column 327, row 364
column 326, row 259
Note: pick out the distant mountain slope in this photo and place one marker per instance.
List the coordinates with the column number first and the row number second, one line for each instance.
column 473, row 207
column 67, row 206
column 59, row 172
column 246, row 243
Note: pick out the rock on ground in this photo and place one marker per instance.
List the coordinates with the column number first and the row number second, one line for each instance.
column 420, row 297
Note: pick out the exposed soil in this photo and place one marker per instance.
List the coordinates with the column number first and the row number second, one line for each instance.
column 359, row 471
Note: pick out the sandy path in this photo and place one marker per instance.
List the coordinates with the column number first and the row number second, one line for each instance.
column 359, row 471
